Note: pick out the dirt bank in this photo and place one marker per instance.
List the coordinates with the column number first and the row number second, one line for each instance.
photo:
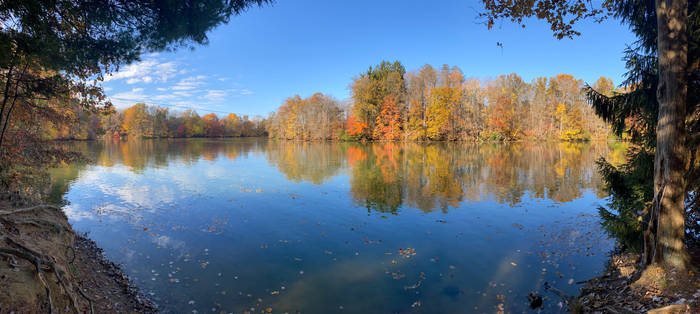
column 627, row 287
column 45, row 267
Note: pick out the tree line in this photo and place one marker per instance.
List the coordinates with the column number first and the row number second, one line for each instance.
column 388, row 103
column 147, row 121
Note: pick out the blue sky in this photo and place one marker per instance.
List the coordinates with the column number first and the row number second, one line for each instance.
column 301, row 47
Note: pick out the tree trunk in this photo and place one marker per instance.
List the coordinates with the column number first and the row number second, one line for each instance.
column 664, row 238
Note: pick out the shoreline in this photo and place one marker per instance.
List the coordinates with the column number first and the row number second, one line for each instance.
column 625, row 286
column 46, row 267
column 109, row 280
column 466, row 141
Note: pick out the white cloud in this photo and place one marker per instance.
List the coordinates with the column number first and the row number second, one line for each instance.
column 164, row 97
column 144, row 71
column 132, row 70
column 241, row 92
column 183, row 94
column 125, row 99
column 166, row 70
column 215, row 95
column 189, row 83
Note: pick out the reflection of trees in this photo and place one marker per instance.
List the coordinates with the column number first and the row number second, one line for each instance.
column 376, row 182
column 557, row 171
column 434, row 179
column 61, row 179
column 142, row 154
column 385, row 176
column 436, row 176
column 306, row 161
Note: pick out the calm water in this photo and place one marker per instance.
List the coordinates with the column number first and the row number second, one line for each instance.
column 254, row 225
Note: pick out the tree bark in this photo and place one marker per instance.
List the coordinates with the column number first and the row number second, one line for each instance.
column 664, row 239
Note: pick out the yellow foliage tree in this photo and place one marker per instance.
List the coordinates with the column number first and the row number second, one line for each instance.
column 442, row 101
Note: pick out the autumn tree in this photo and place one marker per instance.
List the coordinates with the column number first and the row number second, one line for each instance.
column 356, row 127
column 442, row 105
column 442, row 102
column 192, row 124
column 419, row 84
column 232, row 125
column 389, row 125
column 159, row 121
column 212, row 125
column 136, row 120
column 370, row 88
column 503, row 121
column 318, row 117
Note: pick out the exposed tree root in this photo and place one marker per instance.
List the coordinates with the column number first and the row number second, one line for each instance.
column 41, row 263
column 13, row 260
column 92, row 308
column 42, row 222
column 27, row 209
column 66, row 289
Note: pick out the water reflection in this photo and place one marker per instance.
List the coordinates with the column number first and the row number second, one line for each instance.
column 386, row 176
column 315, row 227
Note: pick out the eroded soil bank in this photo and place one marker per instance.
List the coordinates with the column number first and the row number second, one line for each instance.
column 46, row 268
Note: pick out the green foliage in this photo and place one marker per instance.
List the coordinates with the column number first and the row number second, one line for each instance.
column 343, row 135
column 631, row 192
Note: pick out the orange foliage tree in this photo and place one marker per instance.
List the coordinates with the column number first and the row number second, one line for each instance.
column 212, row 126
column 389, row 124
column 356, row 127
column 503, row 121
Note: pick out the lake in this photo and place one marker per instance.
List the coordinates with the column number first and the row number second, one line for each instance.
column 235, row 225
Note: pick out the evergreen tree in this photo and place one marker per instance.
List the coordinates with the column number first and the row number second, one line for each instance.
column 634, row 115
